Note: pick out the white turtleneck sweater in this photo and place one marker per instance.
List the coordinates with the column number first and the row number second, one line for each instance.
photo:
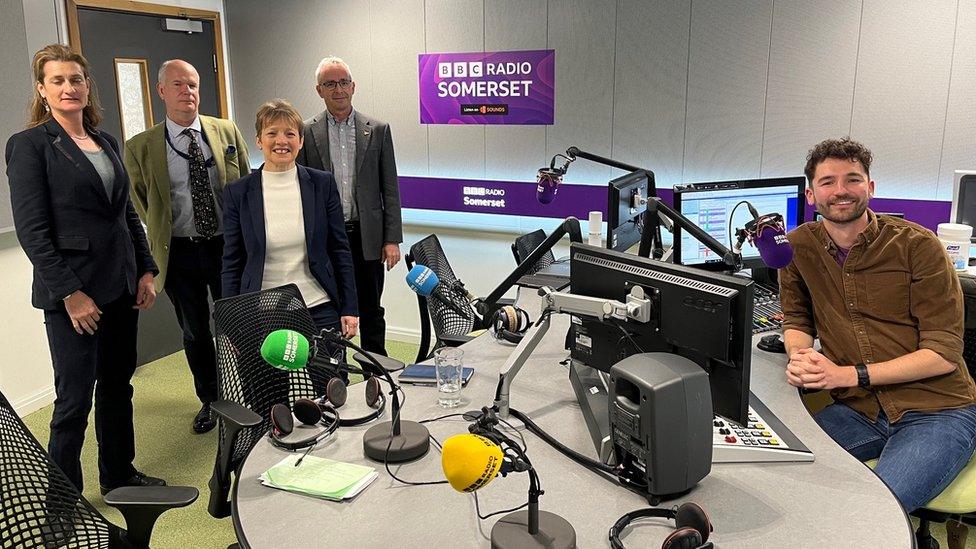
column 286, row 257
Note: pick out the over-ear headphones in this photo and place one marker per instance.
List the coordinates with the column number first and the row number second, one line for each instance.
column 309, row 413
column 692, row 526
column 336, row 394
column 509, row 323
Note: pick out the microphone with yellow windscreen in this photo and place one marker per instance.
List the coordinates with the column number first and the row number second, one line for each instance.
column 470, row 461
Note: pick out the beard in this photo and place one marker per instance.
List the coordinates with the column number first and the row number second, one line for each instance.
column 842, row 218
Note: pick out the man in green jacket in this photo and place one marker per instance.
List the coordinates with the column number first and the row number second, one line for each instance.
column 178, row 169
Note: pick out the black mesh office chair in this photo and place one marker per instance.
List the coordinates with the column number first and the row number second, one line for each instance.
column 249, row 387
column 526, row 244
column 40, row 507
column 450, row 328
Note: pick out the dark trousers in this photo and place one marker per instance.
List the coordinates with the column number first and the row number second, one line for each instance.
column 326, row 317
column 369, row 290
column 194, row 268
column 103, row 362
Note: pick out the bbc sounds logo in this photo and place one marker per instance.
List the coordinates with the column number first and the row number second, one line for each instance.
column 485, row 109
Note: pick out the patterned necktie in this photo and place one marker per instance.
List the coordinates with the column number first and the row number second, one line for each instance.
column 204, row 210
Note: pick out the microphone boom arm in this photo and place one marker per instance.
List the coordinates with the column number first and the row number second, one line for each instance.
column 637, row 308
column 656, row 207
column 569, row 226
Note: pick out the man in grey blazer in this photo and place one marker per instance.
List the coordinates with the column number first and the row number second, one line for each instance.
column 358, row 150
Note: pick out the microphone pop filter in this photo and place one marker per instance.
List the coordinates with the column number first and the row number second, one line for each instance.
column 774, row 248
column 422, row 280
column 547, row 183
column 470, row 461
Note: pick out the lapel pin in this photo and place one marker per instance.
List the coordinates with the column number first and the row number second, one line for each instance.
column 366, row 132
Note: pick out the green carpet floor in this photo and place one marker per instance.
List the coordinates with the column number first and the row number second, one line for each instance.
column 166, row 447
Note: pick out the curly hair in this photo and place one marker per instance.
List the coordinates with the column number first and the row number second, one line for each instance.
column 842, row 149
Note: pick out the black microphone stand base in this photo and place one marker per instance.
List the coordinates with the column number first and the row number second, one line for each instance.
column 512, row 532
column 412, row 442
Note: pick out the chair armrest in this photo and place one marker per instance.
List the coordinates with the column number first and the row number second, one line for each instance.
column 142, row 505
column 389, row 364
column 455, row 340
column 235, row 418
column 235, row 414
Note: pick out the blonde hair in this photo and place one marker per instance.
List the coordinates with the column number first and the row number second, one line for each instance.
column 278, row 109
column 37, row 113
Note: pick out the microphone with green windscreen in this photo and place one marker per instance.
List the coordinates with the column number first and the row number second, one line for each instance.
column 286, row 350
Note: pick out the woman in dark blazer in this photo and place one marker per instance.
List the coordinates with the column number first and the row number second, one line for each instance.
column 69, row 193
column 283, row 224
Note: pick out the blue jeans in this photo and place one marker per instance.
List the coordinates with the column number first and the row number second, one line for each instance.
column 918, row 456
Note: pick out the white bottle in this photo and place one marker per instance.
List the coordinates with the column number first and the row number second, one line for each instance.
column 955, row 237
column 595, row 235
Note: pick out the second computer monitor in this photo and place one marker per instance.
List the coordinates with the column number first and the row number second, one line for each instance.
column 625, row 213
column 709, row 205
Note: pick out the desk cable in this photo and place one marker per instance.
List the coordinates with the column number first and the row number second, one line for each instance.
column 614, row 474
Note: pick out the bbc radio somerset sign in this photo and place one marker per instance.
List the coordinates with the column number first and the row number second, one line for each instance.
column 505, row 87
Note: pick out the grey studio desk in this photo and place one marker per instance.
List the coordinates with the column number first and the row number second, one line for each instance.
column 832, row 502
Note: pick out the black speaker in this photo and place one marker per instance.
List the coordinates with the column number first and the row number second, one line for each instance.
column 661, row 422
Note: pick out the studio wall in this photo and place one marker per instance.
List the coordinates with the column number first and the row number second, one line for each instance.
column 695, row 90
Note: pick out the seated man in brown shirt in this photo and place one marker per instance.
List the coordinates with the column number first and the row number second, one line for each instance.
column 882, row 296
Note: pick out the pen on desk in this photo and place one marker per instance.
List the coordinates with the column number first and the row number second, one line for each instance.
column 299, row 461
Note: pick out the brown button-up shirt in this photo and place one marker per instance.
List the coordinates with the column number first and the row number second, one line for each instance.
column 896, row 293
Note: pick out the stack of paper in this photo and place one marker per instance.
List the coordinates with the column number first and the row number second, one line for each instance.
column 319, row 477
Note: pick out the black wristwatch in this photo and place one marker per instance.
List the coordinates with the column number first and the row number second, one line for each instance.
column 863, row 379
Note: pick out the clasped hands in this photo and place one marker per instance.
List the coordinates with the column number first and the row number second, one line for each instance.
column 812, row 370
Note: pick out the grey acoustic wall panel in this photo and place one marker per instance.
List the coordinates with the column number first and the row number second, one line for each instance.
column 959, row 145
column 901, row 89
column 726, row 88
column 516, row 152
column 15, row 90
column 40, row 23
column 455, row 26
column 262, row 71
column 650, row 82
column 811, row 79
column 583, row 33
column 396, row 32
column 254, row 72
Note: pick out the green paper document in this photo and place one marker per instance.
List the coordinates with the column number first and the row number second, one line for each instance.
column 319, row 477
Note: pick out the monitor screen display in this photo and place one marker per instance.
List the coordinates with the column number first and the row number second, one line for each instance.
column 711, row 205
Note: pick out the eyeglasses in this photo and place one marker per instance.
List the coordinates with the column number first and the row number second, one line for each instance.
column 332, row 84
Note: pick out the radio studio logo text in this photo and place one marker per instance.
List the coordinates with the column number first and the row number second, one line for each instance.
column 484, row 197
column 487, row 87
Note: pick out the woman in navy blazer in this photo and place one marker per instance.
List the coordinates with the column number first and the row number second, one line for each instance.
column 69, row 194
column 283, row 224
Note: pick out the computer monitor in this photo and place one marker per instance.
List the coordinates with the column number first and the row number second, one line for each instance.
column 964, row 198
column 710, row 206
column 625, row 216
column 701, row 315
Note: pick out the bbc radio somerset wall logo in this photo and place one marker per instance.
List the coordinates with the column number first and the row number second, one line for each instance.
column 508, row 87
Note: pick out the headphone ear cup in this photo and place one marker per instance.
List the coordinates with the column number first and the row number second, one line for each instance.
column 683, row 538
column 307, row 411
column 692, row 515
column 335, row 392
column 523, row 320
column 372, row 392
column 510, row 317
column 281, row 420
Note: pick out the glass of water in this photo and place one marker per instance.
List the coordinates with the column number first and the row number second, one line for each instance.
column 447, row 365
